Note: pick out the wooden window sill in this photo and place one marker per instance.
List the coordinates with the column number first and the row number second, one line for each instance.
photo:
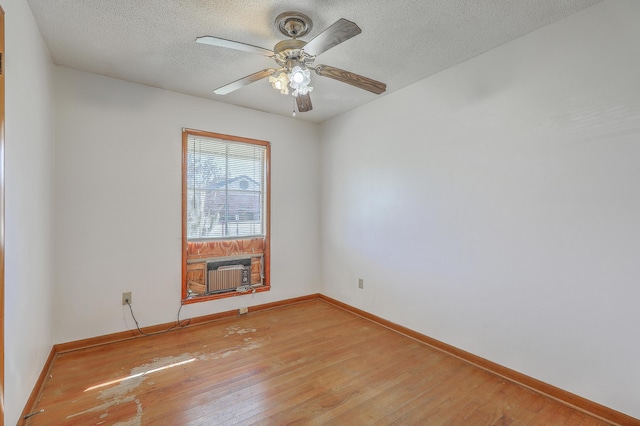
column 207, row 297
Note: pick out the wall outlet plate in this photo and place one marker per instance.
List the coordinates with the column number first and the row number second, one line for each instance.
column 126, row 296
column 243, row 310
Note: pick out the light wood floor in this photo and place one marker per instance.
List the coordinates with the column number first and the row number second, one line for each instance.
column 309, row 363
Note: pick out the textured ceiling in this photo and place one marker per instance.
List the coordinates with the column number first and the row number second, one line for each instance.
column 152, row 42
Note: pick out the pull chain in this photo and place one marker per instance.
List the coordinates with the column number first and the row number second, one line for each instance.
column 293, row 98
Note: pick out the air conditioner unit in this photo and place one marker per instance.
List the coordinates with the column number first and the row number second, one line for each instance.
column 227, row 275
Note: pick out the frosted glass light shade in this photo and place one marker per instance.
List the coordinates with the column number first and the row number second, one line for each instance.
column 299, row 79
column 280, row 83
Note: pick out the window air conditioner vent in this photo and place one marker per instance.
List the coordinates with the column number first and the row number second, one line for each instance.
column 227, row 275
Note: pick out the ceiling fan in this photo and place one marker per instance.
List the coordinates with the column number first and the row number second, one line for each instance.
column 295, row 58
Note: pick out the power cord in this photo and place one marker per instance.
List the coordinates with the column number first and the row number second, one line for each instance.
column 178, row 324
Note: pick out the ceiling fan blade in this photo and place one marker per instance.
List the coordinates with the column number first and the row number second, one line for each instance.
column 359, row 81
column 230, row 44
column 244, row 81
column 340, row 31
column 304, row 103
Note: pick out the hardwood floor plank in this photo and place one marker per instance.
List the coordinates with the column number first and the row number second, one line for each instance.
column 442, row 401
column 309, row 363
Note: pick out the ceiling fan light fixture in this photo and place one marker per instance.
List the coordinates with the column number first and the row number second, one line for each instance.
column 280, row 83
column 297, row 76
column 302, row 90
column 299, row 79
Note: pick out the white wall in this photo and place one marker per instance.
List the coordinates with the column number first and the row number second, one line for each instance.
column 118, row 202
column 29, row 213
column 495, row 206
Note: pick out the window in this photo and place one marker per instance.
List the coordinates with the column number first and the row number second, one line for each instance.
column 225, row 215
column 225, row 189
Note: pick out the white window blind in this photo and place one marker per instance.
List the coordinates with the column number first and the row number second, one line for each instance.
column 226, row 189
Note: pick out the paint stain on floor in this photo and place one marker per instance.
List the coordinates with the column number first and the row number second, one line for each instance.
column 238, row 330
column 123, row 390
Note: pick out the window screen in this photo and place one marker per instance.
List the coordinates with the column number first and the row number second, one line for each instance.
column 225, row 189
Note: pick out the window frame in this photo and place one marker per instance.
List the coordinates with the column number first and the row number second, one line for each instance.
column 239, row 243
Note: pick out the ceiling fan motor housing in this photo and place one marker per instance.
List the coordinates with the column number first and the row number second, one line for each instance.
column 292, row 51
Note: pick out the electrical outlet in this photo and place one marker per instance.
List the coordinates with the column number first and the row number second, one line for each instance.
column 243, row 310
column 126, row 296
column 360, row 283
